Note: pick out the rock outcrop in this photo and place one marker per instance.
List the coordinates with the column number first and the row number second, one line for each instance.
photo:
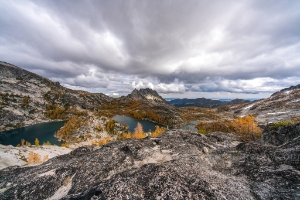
column 177, row 165
column 287, row 90
column 282, row 105
column 148, row 100
column 24, row 97
column 280, row 136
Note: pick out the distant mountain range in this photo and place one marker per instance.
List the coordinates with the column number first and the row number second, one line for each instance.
column 27, row 98
column 205, row 103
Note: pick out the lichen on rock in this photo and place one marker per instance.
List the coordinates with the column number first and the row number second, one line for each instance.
column 172, row 166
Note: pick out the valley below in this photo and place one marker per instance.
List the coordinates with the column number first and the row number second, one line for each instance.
column 67, row 143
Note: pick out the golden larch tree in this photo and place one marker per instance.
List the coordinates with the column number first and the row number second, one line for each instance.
column 138, row 132
column 37, row 142
column 246, row 128
column 33, row 158
column 158, row 131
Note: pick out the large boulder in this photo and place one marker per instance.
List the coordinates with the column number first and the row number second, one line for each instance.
column 280, row 136
column 177, row 165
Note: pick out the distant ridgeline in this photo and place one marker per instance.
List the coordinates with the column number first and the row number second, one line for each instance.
column 205, row 103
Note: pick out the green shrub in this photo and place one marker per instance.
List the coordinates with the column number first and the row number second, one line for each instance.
column 281, row 123
column 203, row 131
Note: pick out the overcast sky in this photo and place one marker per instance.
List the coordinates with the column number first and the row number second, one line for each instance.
column 180, row 48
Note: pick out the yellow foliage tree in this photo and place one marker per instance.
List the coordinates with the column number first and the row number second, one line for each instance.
column 246, row 128
column 71, row 126
column 46, row 157
column 139, row 132
column 37, row 142
column 102, row 141
column 124, row 135
column 33, row 158
column 66, row 144
column 158, row 131
column 110, row 126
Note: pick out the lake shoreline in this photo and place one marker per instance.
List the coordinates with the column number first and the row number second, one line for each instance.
column 43, row 131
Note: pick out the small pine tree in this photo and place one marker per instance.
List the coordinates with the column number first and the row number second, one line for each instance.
column 37, row 142
column 22, row 142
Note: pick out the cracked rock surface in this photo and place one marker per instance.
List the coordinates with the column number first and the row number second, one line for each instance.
column 177, row 165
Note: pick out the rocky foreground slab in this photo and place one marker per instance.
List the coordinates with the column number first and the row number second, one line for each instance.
column 177, row 165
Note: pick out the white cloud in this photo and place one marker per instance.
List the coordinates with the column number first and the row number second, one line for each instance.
column 161, row 87
column 248, row 46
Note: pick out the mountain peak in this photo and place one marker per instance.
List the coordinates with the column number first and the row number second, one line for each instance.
column 146, row 94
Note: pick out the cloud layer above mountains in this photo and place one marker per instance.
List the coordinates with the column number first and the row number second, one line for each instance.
column 178, row 47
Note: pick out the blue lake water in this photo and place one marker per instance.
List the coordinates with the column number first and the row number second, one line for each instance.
column 43, row 131
column 132, row 123
column 190, row 126
column 148, row 125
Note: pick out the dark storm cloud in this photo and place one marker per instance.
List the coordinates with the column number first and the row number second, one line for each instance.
column 171, row 46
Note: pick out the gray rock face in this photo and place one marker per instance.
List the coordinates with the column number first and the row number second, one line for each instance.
column 146, row 94
column 286, row 89
column 282, row 105
column 282, row 135
column 16, row 84
column 172, row 166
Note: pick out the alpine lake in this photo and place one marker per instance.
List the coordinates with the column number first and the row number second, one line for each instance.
column 45, row 131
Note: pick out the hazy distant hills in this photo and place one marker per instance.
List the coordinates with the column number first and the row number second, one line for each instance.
column 205, row 103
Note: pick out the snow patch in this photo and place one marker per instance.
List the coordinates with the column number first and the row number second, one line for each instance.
column 62, row 191
column 287, row 92
column 295, row 100
column 151, row 97
column 247, row 107
column 48, row 173
column 10, row 155
column 276, row 113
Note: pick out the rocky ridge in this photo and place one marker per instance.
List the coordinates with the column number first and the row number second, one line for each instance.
column 24, row 96
column 177, row 165
column 287, row 90
column 282, row 105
